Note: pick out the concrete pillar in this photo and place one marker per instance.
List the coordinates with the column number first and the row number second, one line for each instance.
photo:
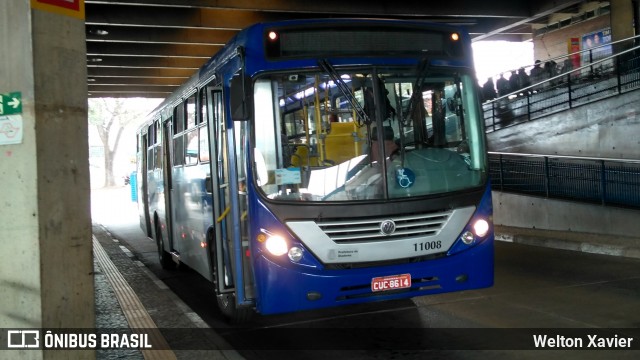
column 46, row 268
column 622, row 25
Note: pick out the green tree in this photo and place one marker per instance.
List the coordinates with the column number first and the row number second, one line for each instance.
column 111, row 116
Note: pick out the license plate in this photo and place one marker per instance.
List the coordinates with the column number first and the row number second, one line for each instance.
column 393, row 282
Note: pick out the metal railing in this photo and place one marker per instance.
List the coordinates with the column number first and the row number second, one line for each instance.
column 605, row 181
column 597, row 80
column 589, row 56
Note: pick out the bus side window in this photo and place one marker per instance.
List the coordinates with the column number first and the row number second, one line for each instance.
column 150, row 147
column 178, row 119
column 157, row 150
column 191, row 151
column 178, row 140
column 203, row 137
column 191, row 112
column 150, row 157
column 178, row 150
column 204, row 144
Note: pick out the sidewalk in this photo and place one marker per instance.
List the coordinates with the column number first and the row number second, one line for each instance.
column 129, row 299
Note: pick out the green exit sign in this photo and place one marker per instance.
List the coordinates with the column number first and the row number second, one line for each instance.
column 11, row 103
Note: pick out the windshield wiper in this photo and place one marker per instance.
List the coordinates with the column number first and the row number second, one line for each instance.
column 421, row 76
column 344, row 89
column 416, row 111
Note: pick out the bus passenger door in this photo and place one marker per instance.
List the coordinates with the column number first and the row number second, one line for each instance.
column 223, row 225
column 168, row 182
column 142, row 186
column 229, row 215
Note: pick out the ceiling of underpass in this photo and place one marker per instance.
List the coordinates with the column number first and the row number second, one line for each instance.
column 147, row 48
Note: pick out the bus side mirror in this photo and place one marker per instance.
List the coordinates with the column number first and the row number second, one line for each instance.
column 240, row 98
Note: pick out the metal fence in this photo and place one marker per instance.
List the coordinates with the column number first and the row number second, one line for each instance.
column 600, row 79
column 612, row 182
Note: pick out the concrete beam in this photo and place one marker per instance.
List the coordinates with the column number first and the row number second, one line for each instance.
column 145, row 62
column 135, row 81
column 133, row 88
column 202, row 52
column 129, row 94
column 496, row 8
column 100, row 14
column 540, row 10
column 138, row 72
column 163, row 35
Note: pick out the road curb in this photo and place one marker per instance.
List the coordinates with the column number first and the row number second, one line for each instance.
column 592, row 247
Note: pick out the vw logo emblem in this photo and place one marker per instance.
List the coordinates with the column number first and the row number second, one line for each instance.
column 387, row 227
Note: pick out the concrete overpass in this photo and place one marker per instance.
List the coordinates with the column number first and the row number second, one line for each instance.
column 50, row 58
column 149, row 47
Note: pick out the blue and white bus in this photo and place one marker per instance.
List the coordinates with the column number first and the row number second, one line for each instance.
column 319, row 163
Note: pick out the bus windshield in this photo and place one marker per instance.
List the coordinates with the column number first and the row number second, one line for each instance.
column 366, row 134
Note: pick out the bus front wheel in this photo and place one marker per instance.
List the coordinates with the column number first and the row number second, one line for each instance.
column 235, row 315
column 227, row 301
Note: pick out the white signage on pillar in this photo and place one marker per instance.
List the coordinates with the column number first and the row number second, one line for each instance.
column 10, row 129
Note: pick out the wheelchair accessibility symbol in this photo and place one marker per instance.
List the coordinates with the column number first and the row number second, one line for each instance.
column 405, row 177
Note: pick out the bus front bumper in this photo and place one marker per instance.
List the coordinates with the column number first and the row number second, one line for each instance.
column 287, row 289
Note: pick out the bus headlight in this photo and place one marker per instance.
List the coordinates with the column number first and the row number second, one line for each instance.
column 481, row 228
column 276, row 245
column 295, row 254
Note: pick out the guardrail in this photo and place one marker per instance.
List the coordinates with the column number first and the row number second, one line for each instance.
column 600, row 79
column 605, row 181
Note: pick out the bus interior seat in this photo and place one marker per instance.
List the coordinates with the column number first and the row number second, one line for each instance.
column 301, row 157
column 340, row 142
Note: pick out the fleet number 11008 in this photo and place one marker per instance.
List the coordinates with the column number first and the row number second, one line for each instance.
column 427, row 245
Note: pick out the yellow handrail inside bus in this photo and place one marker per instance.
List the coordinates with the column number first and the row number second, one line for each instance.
column 224, row 213
column 318, row 121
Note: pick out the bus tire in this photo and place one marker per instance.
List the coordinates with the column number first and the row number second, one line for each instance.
column 163, row 256
column 227, row 302
column 235, row 315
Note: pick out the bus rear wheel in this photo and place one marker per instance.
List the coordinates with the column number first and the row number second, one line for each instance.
column 163, row 256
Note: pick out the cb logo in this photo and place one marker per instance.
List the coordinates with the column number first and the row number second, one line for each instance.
column 21, row 339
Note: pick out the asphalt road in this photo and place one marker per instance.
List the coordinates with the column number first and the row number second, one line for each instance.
column 565, row 295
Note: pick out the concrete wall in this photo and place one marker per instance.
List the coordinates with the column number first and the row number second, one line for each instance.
column 554, row 43
column 606, row 128
column 549, row 214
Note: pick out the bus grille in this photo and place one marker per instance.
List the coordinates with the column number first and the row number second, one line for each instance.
column 368, row 230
